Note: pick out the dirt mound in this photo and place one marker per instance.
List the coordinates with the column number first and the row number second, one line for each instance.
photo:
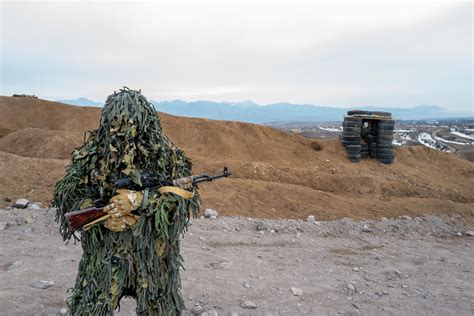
column 276, row 174
column 41, row 143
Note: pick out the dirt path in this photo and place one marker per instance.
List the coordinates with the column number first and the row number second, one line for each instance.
column 391, row 267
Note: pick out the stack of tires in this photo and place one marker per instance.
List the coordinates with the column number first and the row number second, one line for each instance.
column 384, row 141
column 351, row 138
column 372, row 142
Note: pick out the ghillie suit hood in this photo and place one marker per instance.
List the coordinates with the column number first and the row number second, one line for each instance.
column 142, row 262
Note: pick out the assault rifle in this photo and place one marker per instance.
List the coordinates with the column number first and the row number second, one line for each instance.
column 87, row 217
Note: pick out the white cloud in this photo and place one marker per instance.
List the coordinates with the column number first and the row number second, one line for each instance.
column 340, row 54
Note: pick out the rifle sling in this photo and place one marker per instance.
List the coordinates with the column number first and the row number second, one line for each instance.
column 178, row 191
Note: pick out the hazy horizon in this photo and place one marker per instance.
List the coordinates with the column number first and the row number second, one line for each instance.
column 327, row 54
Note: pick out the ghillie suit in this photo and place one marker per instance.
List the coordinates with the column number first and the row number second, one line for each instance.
column 141, row 258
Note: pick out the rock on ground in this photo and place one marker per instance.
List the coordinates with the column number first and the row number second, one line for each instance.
column 209, row 213
column 21, row 203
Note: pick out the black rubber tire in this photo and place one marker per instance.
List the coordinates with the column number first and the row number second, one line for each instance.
column 382, row 138
column 357, row 112
column 355, row 146
column 352, row 124
column 383, row 151
column 350, row 129
column 391, row 130
column 380, row 113
column 352, row 151
column 386, row 125
column 386, row 161
column 385, row 145
column 354, row 158
column 350, row 134
column 351, row 137
column 364, row 155
column 384, row 132
column 386, row 157
column 352, row 119
column 351, row 143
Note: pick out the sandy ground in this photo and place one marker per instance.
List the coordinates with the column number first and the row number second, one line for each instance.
column 404, row 266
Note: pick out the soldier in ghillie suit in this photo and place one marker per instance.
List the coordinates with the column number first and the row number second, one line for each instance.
column 136, row 251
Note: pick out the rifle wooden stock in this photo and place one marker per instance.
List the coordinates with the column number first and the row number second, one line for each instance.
column 79, row 218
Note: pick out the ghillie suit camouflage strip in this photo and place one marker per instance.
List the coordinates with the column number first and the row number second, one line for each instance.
column 144, row 261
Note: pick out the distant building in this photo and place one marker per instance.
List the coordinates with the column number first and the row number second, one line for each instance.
column 25, row 96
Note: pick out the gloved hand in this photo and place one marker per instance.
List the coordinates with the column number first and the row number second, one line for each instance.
column 124, row 202
column 119, row 224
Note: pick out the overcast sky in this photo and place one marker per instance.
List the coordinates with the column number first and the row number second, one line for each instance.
column 379, row 54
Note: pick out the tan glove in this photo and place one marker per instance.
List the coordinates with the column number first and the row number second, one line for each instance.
column 124, row 202
column 119, row 224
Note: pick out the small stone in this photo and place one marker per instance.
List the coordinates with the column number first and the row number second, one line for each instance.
column 8, row 200
column 459, row 234
column 247, row 285
column 29, row 219
column 209, row 313
column 63, row 311
column 42, row 284
column 21, row 203
column 469, row 233
column 34, row 206
column 296, row 291
column 406, row 217
column 208, row 213
column 311, row 219
column 366, row 228
column 355, row 269
column 15, row 266
column 262, row 226
column 3, row 225
column 20, row 220
column 351, row 287
column 248, row 305
column 213, row 217
column 384, row 219
column 27, row 230
column 197, row 309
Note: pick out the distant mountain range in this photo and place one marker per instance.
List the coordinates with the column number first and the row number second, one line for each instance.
column 251, row 112
column 81, row 102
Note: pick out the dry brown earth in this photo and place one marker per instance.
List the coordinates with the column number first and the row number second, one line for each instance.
column 276, row 174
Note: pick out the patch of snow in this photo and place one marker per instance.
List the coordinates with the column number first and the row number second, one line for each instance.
column 404, row 130
column 330, row 129
column 450, row 141
column 405, row 136
column 462, row 135
column 426, row 140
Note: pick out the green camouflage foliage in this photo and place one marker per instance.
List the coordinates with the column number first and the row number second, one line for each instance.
column 142, row 262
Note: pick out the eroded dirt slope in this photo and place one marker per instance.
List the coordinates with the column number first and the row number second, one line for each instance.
column 276, row 174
